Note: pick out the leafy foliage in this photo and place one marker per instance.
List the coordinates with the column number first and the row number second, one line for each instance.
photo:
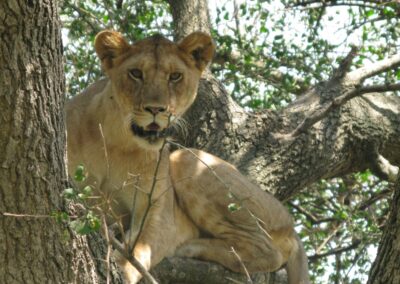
column 87, row 220
column 341, row 222
column 269, row 53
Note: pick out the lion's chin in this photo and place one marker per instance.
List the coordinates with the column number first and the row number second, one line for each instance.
column 150, row 139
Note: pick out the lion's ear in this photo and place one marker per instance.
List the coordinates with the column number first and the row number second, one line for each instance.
column 200, row 46
column 108, row 45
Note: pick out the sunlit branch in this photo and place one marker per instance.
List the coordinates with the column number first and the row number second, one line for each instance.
column 373, row 69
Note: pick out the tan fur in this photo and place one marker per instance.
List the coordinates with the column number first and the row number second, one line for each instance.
column 189, row 213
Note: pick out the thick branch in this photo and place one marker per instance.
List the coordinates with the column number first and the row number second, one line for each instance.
column 187, row 270
column 378, row 88
column 351, row 90
column 373, row 69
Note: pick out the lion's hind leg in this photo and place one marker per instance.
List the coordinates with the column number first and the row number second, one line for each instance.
column 237, row 255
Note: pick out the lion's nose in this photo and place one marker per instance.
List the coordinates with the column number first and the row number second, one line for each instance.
column 155, row 110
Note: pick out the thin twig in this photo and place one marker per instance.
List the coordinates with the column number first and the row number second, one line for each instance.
column 150, row 195
column 352, row 246
column 243, row 266
column 328, row 238
column 38, row 216
column 121, row 249
column 108, row 255
column 133, row 219
column 105, row 150
column 313, row 219
column 25, row 215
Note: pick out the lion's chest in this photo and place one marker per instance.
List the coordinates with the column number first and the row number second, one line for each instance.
column 125, row 182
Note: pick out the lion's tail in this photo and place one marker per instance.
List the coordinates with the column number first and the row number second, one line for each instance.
column 297, row 266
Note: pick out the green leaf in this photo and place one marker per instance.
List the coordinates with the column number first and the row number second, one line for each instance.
column 60, row 216
column 232, row 207
column 80, row 173
column 369, row 13
column 80, row 227
column 87, row 190
column 69, row 193
column 263, row 29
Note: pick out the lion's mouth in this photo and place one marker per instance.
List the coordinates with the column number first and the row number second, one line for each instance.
column 152, row 134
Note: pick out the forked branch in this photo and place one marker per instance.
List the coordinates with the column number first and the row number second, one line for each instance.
column 348, row 88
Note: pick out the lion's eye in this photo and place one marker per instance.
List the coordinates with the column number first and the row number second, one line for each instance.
column 136, row 74
column 175, row 77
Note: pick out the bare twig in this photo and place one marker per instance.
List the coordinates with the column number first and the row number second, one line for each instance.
column 328, row 238
column 7, row 214
column 313, row 219
column 374, row 198
column 352, row 246
column 108, row 255
column 121, row 249
column 105, row 150
column 242, row 264
column 150, row 195
column 83, row 13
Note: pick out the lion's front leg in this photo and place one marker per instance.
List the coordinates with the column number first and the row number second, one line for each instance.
column 130, row 274
column 165, row 228
column 153, row 243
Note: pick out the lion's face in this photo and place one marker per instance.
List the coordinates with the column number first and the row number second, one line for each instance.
column 154, row 81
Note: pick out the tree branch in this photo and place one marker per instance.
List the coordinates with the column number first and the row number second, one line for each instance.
column 350, row 90
column 193, row 271
column 353, row 245
column 313, row 219
column 345, row 65
column 378, row 88
column 373, row 69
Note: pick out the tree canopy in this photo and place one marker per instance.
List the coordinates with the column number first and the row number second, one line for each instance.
column 270, row 53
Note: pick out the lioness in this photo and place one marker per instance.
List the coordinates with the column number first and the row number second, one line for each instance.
column 117, row 127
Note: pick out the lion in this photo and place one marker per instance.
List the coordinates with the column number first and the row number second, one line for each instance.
column 187, row 203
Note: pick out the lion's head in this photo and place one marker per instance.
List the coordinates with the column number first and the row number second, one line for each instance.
column 153, row 80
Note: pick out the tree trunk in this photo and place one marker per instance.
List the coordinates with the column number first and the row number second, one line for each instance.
column 385, row 269
column 189, row 16
column 34, row 247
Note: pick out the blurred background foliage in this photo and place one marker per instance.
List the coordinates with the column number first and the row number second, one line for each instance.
column 269, row 53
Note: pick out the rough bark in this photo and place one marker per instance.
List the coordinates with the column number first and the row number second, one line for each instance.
column 34, row 247
column 386, row 266
column 189, row 16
